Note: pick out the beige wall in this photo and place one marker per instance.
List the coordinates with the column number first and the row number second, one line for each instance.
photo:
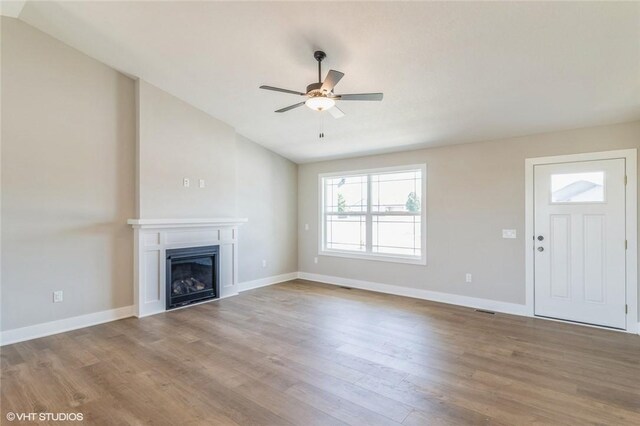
column 242, row 179
column 473, row 192
column 177, row 141
column 68, row 148
column 267, row 196
column 71, row 174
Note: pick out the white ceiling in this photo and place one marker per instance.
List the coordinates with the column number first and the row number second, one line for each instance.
column 450, row 72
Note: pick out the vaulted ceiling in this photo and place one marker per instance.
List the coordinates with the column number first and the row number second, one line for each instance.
column 450, row 72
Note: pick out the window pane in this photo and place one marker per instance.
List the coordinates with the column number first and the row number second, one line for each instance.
column 396, row 192
column 346, row 194
column 577, row 187
column 396, row 235
column 346, row 232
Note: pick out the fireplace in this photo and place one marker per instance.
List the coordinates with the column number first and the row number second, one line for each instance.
column 192, row 275
column 153, row 240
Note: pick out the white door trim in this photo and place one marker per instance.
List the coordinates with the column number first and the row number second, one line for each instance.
column 631, row 228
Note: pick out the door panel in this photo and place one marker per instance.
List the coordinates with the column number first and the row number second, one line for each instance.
column 559, row 253
column 594, row 262
column 579, row 261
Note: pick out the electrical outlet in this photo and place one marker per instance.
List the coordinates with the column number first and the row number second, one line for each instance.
column 467, row 278
column 186, row 182
column 201, row 183
column 315, row 260
column 58, row 296
column 264, row 263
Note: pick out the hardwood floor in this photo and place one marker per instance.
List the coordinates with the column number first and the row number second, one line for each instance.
column 309, row 354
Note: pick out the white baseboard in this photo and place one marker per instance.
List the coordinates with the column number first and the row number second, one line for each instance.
column 452, row 299
column 263, row 282
column 67, row 324
column 434, row 296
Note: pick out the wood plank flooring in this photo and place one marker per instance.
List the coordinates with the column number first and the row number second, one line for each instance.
column 303, row 353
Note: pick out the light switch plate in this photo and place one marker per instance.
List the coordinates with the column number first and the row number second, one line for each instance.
column 201, row 183
column 306, row 226
column 58, row 296
column 509, row 233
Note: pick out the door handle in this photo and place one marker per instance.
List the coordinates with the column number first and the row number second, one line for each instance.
column 540, row 248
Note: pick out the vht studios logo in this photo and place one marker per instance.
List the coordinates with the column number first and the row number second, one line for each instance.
column 45, row 417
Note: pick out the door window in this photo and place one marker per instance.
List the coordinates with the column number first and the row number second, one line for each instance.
column 577, row 187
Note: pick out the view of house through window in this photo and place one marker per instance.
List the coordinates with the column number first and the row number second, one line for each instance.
column 377, row 213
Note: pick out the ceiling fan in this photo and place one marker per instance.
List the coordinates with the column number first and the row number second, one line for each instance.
column 320, row 96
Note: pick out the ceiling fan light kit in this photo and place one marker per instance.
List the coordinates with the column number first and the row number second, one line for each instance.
column 320, row 96
column 320, row 103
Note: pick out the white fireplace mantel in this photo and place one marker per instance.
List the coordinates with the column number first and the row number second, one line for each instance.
column 152, row 237
column 181, row 223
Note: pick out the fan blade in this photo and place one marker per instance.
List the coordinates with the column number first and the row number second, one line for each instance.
column 336, row 112
column 285, row 109
column 277, row 89
column 330, row 81
column 360, row 97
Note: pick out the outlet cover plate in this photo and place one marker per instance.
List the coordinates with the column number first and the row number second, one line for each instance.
column 509, row 233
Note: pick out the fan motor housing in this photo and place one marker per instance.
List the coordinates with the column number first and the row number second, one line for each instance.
column 314, row 87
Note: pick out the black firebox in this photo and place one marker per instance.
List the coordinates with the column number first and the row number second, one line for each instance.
column 192, row 275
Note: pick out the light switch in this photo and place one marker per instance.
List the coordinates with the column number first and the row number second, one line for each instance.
column 201, row 183
column 508, row 233
column 58, row 296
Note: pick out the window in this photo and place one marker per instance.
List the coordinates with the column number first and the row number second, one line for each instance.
column 577, row 188
column 374, row 214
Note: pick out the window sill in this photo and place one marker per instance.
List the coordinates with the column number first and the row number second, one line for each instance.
column 374, row 257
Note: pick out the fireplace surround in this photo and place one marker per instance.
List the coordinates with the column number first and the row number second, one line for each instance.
column 155, row 238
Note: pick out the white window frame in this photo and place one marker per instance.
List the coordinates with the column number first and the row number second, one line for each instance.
column 416, row 260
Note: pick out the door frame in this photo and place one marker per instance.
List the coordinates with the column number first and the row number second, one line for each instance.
column 631, row 225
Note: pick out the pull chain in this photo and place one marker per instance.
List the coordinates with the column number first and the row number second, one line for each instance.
column 321, row 133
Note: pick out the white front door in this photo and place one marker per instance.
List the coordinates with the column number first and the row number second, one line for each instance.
column 579, row 259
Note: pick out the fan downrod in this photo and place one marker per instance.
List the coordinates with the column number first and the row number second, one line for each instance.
column 319, row 55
